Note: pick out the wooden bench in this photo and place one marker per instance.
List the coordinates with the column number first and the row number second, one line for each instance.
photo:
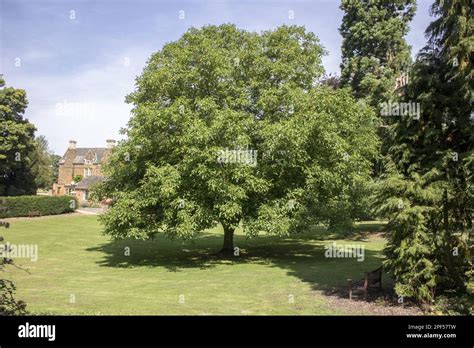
column 369, row 280
column 33, row 213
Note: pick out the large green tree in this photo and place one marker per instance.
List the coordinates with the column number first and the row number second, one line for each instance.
column 16, row 143
column 218, row 92
column 427, row 192
column 374, row 50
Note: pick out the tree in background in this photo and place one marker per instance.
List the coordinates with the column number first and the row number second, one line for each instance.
column 16, row 143
column 374, row 50
column 55, row 167
column 42, row 164
column 232, row 127
column 427, row 191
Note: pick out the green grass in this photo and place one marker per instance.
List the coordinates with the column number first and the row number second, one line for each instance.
column 76, row 259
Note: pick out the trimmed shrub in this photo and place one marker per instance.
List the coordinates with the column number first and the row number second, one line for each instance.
column 36, row 205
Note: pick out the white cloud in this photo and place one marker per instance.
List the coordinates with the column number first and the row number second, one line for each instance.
column 87, row 106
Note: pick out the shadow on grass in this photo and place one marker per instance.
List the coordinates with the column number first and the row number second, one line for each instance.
column 302, row 256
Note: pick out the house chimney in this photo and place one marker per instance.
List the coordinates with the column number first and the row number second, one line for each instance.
column 110, row 143
column 72, row 144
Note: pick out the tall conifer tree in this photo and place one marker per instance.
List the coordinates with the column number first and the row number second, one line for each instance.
column 374, row 50
column 427, row 192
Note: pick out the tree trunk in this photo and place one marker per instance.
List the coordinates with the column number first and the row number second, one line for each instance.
column 228, row 247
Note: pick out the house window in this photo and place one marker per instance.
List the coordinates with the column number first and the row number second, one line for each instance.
column 87, row 172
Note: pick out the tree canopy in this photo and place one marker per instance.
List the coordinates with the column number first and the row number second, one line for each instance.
column 232, row 127
column 374, row 50
column 426, row 192
column 16, row 143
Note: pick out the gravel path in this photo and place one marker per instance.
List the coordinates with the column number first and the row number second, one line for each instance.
column 376, row 304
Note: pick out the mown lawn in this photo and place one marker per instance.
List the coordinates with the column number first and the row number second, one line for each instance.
column 77, row 261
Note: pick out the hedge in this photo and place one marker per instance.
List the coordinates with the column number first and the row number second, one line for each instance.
column 36, row 205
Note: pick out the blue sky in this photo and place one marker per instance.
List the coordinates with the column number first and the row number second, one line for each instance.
column 77, row 59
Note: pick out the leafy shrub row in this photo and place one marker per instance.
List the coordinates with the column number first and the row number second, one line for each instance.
column 36, row 205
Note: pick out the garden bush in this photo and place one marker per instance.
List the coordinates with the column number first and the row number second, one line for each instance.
column 36, row 205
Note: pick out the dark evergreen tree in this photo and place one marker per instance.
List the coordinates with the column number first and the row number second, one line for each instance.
column 374, row 50
column 427, row 190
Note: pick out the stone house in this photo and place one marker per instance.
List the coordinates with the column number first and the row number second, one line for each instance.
column 85, row 162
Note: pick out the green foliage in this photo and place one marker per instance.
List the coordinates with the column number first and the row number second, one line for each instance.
column 8, row 304
column 220, row 88
column 453, row 33
column 44, row 205
column 406, row 202
column 42, row 164
column 431, row 168
column 453, row 305
column 76, row 178
column 55, row 167
column 423, row 257
column 374, row 50
column 16, row 143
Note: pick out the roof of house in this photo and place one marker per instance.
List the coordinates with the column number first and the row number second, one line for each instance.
column 83, row 152
column 85, row 183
